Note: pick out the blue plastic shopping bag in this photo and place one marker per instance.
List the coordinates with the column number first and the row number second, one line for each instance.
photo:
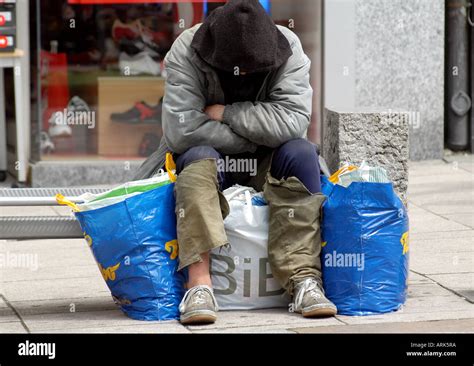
column 134, row 244
column 365, row 247
column 131, row 231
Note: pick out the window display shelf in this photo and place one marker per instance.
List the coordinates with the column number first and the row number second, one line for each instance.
column 124, row 121
column 16, row 53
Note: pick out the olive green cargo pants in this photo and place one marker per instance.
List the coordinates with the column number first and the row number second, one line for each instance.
column 294, row 243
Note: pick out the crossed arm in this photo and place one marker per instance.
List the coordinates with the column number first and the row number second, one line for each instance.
column 237, row 127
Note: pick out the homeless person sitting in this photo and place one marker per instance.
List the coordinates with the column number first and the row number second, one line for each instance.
column 237, row 87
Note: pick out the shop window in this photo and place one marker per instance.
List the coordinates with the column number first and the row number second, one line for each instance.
column 100, row 72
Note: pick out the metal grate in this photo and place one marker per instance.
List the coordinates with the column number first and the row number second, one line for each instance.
column 47, row 192
column 37, row 227
column 41, row 196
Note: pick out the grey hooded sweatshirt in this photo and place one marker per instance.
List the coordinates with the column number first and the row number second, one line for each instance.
column 281, row 112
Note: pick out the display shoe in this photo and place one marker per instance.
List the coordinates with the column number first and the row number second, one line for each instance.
column 141, row 63
column 76, row 104
column 134, row 47
column 46, row 145
column 141, row 112
column 57, row 127
column 125, row 30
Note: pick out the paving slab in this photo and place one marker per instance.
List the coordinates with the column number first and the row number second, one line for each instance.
column 56, row 250
column 61, row 288
column 430, row 297
column 417, row 279
column 62, row 252
column 3, row 304
column 443, row 187
column 442, row 262
column 12, row 327
column 8, row 318
column 6, row 313
column 426, row 289
column 466, row 219
column 33, row 266
column 40, row 259
column 442, row 243
column 46, row 244
column 400, row 316
column 460, row 157
column 423, row 185
column 439, row 326
column 50, row 272
column 446, row 236
column 154, row 328
column 461, row 283
column 434, row 304
column 83, row 320
column 423, row 221
column 49, row 259
column 455, row 206
column 261, row 318
column 58, row 306
column 469, row 167
column 249, row 330
column 443, row 203
column 426, row 167
column 426, row 301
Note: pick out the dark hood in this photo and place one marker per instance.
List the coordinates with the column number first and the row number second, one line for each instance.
column 241, row 34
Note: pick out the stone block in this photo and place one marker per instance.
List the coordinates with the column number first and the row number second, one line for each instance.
column 379, row 138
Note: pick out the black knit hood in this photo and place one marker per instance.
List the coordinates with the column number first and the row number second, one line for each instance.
column 241, row 34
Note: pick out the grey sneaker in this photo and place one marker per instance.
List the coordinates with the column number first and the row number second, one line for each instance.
column 198, row 306
column 309, row 300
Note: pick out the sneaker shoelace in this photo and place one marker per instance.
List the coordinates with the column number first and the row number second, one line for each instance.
column 309, row 285
column 200, row 297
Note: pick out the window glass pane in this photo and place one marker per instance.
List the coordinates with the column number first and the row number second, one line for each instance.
column 100, row 71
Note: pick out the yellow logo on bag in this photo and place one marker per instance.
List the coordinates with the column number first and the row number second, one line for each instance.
column 172, row 248
column 404, row 242
column 88, row 238
column 109, row 272
column 323, row 244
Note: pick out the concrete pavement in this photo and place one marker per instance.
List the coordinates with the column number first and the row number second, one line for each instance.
column 61, row 290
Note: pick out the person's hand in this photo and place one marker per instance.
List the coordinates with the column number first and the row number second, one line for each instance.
column 215, row 112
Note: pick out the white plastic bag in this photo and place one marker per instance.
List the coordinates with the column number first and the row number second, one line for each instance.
column 122, row 192
column 241, row 274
